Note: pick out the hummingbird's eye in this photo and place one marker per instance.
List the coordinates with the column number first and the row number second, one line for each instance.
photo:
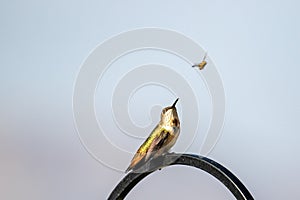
column 175, row 122
column 164, row 111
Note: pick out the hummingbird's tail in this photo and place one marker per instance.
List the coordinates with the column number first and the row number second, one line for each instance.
column 137, row 161
column 128, row 169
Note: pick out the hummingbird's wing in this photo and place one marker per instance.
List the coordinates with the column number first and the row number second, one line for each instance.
column 153, row 146
column 160, row 144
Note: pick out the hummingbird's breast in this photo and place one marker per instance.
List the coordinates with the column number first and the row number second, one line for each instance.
column 174, row 133
column 172, row 129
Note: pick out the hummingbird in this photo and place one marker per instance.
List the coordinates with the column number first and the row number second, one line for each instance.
column 161, row 139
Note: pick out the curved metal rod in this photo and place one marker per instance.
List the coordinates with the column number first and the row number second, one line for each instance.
column 215, row 169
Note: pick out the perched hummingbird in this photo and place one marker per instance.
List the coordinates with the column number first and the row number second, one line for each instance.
column 161, row 139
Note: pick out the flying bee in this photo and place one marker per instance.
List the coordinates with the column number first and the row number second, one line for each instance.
column 203, row 62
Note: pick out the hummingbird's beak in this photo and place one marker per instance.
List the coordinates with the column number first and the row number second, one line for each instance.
column 173, row 106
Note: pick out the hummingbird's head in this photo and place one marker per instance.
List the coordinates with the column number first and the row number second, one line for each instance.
column 169, row 116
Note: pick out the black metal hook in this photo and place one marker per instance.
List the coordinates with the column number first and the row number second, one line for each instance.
column 215, row 169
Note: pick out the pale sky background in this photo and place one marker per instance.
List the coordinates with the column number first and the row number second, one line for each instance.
column 255, row 45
